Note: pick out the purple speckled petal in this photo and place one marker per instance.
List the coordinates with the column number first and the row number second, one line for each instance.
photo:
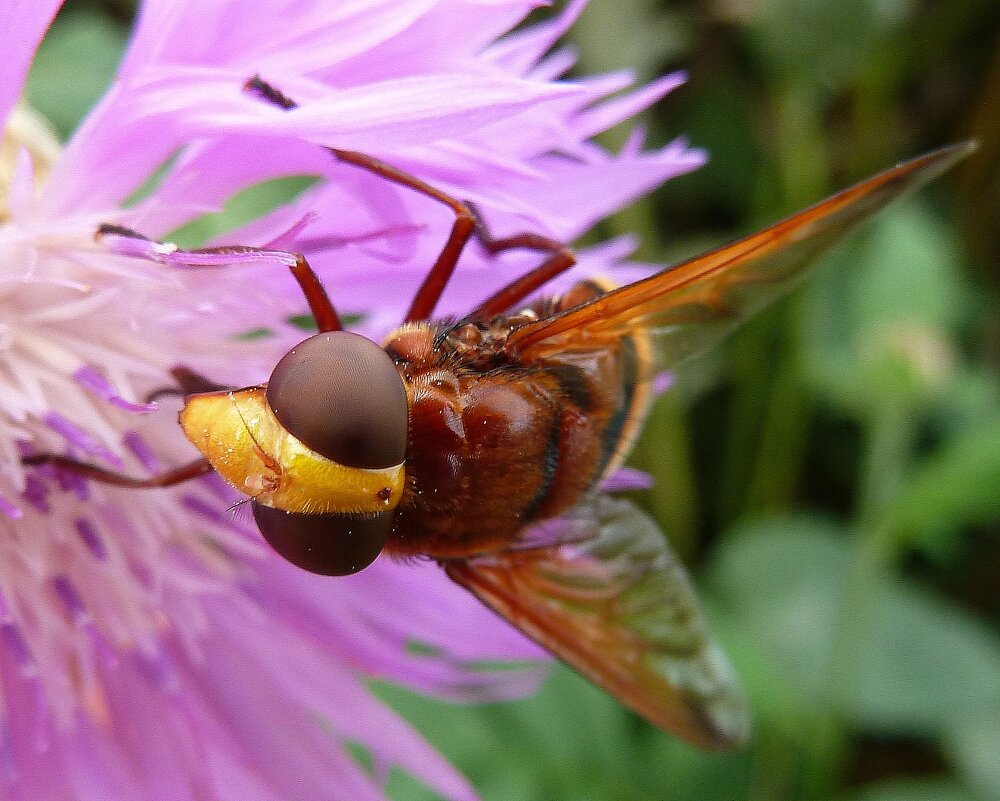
column 315, row 605
column 605, row 115
column 663, row 381
column 68, row 482
column 627, row 478
column 298, row 34
column 78, row 438
column 93, row 381
column 378, row 117
column 337, row 696
column 91, row 538
column 8, row 761
column 102, row 146
column 217, row 485
column 70, row 597
column 23, row 23
column 12, row 639
column 577, row 193
column 36, row 493
column 10, row 510
column 205, row 175
column 184, row 103
column 137, row 444
column 209, row 511
column 521, row 51
column 159, row 669
column 162, row 652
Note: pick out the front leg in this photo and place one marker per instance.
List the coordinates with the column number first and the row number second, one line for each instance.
column 199, row 467
column 132, row 243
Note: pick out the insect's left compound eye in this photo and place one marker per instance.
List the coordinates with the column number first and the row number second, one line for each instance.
column 331, row 545
column 341, row 394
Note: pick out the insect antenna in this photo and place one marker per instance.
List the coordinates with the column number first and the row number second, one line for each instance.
column 235, row 509
column 269, row 462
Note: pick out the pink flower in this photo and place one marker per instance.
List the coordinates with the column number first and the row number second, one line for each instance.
column 151, row 646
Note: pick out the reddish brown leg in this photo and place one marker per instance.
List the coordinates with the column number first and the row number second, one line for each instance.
column 561, row 258
column 198, row 467
column 467, row 224
column 319, row 302
column 188, row 383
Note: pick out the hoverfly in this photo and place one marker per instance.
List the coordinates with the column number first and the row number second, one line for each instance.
column 481, row 442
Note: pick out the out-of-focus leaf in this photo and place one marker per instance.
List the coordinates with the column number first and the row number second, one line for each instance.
column 831, row 41
column 570, row 742
column 919, row 663
column 956, row 486
column 972, row 399
column 974, row 744
column 907, row 271
column 784, row 579
column 914, row 791
column 74, row 66
column 882, row 316
column 637, row 33
column 923, row 664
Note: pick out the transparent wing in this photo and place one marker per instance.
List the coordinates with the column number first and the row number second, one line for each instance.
column 691, row 305
column 618, row 606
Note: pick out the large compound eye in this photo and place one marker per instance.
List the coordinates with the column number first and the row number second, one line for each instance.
column 331, row 545
column 341, row 395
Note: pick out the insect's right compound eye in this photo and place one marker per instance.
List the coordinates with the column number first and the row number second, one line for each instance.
column 341, row 395
column 331, row 545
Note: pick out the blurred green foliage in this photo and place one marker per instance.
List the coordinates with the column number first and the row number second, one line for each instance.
column 833, row 472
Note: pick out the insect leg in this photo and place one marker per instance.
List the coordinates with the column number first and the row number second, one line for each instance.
column 465, row 221
column 188, row 383
column 561, row 257
column 433, row 285
column 467, row 224
column 198, row 467
column 133, row 243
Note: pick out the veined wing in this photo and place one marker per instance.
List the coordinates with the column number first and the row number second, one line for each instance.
column 690, row 305
column 618, row 606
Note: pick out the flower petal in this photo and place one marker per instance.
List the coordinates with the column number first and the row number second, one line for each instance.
column 23, row 23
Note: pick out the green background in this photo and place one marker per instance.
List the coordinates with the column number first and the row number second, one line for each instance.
column 832, row 473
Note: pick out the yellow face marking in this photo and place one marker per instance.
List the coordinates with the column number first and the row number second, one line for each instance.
column 246, row 444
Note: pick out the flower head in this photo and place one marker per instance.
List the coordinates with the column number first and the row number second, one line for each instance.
column 151, row 646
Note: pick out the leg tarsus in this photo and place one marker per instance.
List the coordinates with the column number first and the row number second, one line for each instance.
column 105, row 229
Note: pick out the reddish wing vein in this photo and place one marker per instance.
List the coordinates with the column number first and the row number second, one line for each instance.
column 619, row 608
column 691, row 304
